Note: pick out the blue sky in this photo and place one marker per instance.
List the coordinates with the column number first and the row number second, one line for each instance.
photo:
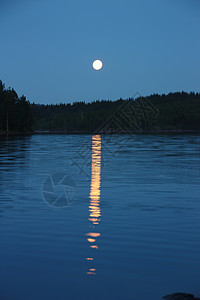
column 48, row 46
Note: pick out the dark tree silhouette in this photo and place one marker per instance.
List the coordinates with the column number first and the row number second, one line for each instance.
column 15, row 112
column 175, row 111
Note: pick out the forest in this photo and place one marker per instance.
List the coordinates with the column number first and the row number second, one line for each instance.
column 15, row 112
column 173, row 112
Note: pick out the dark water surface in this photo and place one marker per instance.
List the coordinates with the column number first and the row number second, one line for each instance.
column 132, row 230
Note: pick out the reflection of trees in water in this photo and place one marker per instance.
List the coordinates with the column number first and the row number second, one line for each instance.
column 13, row 157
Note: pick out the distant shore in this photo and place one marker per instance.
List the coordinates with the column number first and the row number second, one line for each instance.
column 16, row 133
column 10, row 133
column 122, row 133
column 115, row 132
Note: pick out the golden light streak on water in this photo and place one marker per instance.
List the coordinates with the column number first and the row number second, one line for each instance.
column 95, row 193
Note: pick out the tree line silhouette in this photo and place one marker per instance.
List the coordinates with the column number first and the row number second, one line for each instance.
column 175, row 111
column 15, row 112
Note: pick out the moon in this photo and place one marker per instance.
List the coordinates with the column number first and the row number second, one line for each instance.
column 97, row 65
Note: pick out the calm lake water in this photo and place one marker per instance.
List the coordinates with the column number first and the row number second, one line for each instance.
column 99, row 217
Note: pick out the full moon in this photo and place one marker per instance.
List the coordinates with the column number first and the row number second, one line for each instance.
column 97, row 64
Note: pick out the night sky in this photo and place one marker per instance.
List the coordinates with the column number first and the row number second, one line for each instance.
column 47, row 48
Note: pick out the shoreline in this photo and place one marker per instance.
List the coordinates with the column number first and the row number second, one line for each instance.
column 117, row 133
column 18, row 133
column 13, row 133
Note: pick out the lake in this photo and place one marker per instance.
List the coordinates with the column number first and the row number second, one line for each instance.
column 99, row 217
